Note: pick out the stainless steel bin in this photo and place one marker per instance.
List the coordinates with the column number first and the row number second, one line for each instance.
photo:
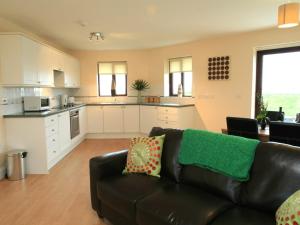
column 16, row 165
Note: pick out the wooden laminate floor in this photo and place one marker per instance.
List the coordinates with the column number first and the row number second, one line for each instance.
column 59, row 198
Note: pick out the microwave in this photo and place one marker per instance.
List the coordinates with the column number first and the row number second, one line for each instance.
column 36, row 103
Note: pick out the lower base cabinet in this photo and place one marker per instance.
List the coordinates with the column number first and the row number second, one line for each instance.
column 113, row 119
column 137, row 119
column 46, row 139
column 165, row 117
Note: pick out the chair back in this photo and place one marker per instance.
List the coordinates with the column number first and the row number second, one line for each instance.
column 243, row 127
column 288, row 133
column 275, row 115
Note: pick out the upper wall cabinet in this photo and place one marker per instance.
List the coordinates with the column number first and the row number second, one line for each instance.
column 72, row 72
column 24, row 62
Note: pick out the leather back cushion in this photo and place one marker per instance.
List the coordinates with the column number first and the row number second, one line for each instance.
column 275, row 175
column 169, row 165
column 211, row 182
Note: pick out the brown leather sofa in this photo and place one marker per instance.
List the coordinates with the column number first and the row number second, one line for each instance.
column 188, row 195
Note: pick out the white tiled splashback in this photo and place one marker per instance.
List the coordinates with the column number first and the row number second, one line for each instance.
column 132, row 99
column 14, row 97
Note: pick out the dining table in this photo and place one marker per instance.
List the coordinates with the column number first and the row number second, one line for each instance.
column 263, row 135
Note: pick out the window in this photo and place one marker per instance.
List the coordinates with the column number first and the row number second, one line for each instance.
column 112, row 78
column 180, row 72
column 278, row 79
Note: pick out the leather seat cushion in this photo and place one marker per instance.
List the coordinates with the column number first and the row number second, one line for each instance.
column 244, row 216
column 122, row 192
column 181, row 205
column 211, row 182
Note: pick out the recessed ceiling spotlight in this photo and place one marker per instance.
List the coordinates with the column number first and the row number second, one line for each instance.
column 96, row 35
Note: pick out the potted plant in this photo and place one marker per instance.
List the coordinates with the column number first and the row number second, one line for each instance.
column 140, row 85
column 262, row 113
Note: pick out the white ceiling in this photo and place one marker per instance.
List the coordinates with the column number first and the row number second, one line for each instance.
column 135, row 24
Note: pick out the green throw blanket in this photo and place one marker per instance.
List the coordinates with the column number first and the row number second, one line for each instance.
column 229, row 155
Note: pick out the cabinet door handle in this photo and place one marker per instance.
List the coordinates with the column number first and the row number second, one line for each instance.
column 53, row 139
column 52, row 120
column 52, row 130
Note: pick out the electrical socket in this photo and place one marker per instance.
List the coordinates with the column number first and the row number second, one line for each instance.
column 4, row 101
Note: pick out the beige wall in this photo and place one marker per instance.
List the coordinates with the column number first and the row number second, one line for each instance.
column 137, row 62
column 214, row 99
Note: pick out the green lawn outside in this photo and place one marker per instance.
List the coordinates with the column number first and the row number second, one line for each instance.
column 289, row 102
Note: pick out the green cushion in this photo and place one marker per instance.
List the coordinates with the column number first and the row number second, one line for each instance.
column 289, row 212
column 144, row 155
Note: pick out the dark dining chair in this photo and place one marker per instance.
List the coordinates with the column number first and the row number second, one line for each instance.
column 288, row 133
column 243, row 127
column 275, row 115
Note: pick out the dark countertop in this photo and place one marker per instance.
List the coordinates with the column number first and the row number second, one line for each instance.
column 44, row 113
column 64, row 109
column 144, row 104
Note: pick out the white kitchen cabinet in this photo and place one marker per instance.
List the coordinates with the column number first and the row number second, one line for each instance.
column 72, row 72
column 64, row 132
column 45, row 66
column 94, row 119
column 148, row 118
column 128, row 119
column 166, row 117
column 113, row 119
column 47, row 142
column 29, row 61
column 58, row 60
column 179, row 117
column 25, row 62
column 68, row 74
column 18, row 60
column 131, row 118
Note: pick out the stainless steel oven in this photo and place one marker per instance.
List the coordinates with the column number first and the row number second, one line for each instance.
column 74, row 122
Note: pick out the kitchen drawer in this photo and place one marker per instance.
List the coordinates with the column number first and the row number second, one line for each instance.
column 51, row 130
column 169, row 124
column 167, row 110
column 52, row 152
column 52, row 140
column 52, row 147
column 168, row 117
column 51, row 120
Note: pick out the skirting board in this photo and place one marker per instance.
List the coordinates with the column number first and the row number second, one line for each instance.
column 2, row 172
column 114, row 135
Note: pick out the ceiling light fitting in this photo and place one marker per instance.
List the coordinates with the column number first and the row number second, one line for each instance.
column 288, row 15
column 96, row 35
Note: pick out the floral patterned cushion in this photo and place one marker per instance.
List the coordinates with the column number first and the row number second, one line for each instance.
column 144, row 155
column 289, row 212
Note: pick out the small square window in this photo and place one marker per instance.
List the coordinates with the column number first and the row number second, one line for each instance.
column 112, row 79
column 180, row 72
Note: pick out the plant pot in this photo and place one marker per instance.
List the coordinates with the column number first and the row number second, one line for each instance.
column 263, row 124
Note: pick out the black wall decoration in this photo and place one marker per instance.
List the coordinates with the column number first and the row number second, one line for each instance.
column 218, row 68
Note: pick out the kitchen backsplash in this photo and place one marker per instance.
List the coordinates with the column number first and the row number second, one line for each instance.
column 131, row 99
column 15, row 96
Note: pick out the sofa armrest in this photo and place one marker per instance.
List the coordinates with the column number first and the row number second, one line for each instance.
column 105, row 166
